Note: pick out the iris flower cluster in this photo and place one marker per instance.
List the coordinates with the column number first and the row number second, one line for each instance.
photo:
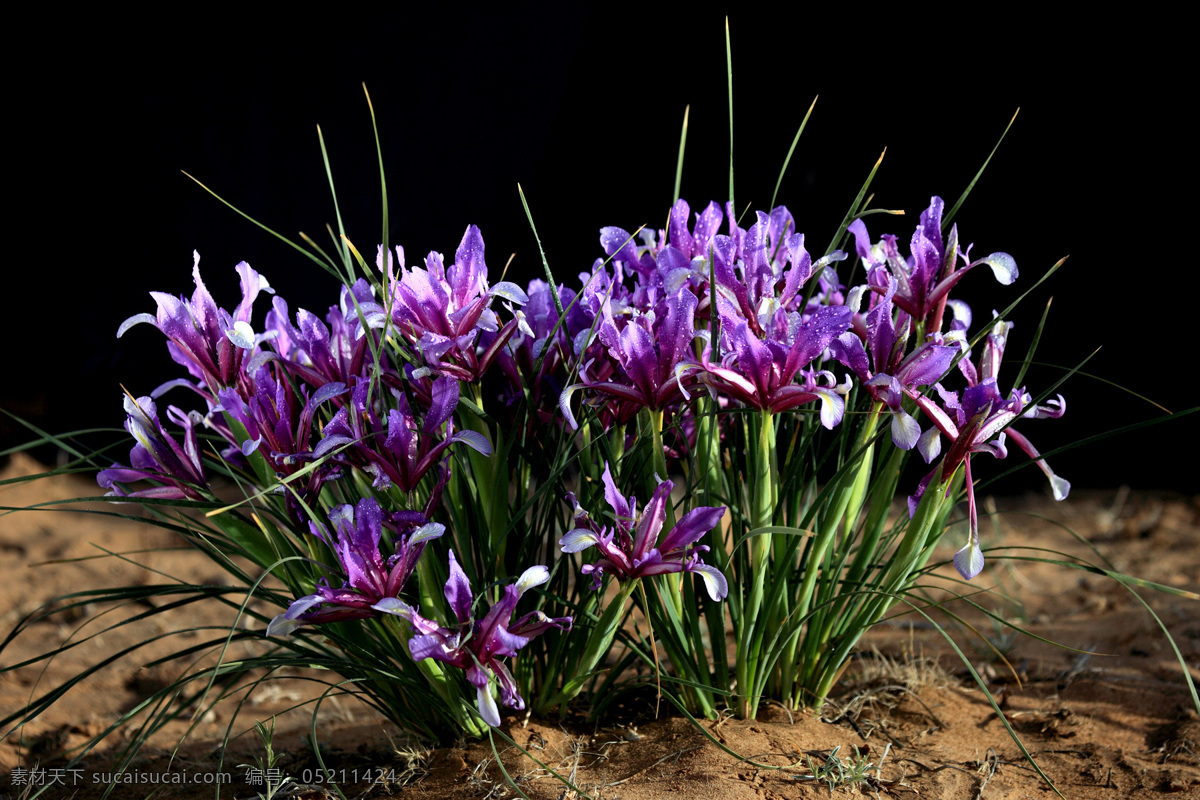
column 364, row 404
column 309, row 401
column 786, row 325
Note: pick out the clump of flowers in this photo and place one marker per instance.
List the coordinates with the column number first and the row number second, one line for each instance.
column 426, row 427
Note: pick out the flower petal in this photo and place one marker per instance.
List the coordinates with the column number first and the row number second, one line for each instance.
column 691, row 527
column 969, row 561
column 714, row 580
column 1004, row 267
column 578, row 540
column 473, row 439
column 905, row 430
column 534, row 576
column 487, row 706
column 135, row 320
column 458, row 591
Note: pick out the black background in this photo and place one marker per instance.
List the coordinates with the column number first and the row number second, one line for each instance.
column 583, row 107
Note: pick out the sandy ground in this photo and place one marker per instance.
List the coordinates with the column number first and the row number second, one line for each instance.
column 1115, row 721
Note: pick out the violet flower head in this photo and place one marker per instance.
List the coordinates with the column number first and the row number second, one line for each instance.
column 631, row 548
column 925, row 279
column 477, row 645
column 333, row 351
column 279, row 424
column 653, row 352
column 209, row 341
column 979, row 421
column 880, row 344
column 537, row 344
column 442, row 310
column 401, row 453
column 158, row 456
column 761, row 372
column 370, row 578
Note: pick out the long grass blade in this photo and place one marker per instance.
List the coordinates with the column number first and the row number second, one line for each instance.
column 729, row 78
column 855, row 207
column 963, row 197
column 1037, row 337
column 545, row 264
column 383, row 193
column 792, row 149
column 682, row 147
column 310, row 256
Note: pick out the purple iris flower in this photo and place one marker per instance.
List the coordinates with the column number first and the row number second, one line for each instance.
column 279, row 424
column 369, row 577
column 209, row 341
column 761, row 372
column 477, row 645
column 926, row 278
column 520, row 355
column 894, row 372
column 403, row 452
column 441, row 310
column 157, row 456
column 685, row 263
column 653, row 352
column 979, row 422
column 333, row 351
column 631, row 548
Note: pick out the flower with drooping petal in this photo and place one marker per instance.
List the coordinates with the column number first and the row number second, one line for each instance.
column 761, row 372
column 333, row 351
column 537, row 342
column 979, row 422
column 403, row 452
column 653, row 352
column 157, row 456
column 279, row 424
column 477, row 645
column 631, row 549
column 894, row 372
column 209, row 341
column 924, row 280
column 369, row 577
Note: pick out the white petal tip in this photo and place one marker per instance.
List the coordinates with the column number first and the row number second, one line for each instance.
column 282, row 626
column 534, row 576
column 1060, row 486
column 969, row 561
column 578, row 540
column 1004, row 267
column 136, row 319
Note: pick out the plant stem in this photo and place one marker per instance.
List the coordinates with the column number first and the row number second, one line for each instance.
column 660, row 468
column 469, row 721
column 762, row 509
column 599, row 642
column 851, row 484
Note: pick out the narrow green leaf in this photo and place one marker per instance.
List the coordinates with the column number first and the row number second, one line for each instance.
column 962, row 198
column 791, row 150
column 348, row 278
column 729, row 74
column 854, row 207
column 682, row 146
column 383, row 194
column 256, row 544
column 278, row 236
column 545, row 264
column 1037, row 337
